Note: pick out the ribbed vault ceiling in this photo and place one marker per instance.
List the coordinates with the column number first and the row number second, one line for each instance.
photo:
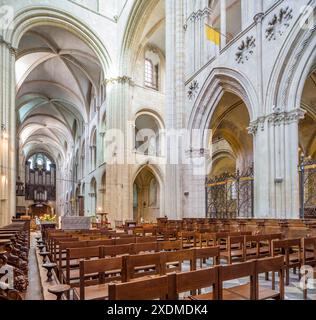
column 57, row 74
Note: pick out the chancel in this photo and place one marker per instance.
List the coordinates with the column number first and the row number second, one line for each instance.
column 157, row 150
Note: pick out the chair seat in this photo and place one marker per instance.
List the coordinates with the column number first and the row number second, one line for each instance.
column 234, row 253
column 227, row 295
column 96, row 292
column 264, row 293
column 72, row 263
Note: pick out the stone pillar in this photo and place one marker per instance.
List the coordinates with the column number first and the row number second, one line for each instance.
column 7, row 133
column 276, row 191
column 223, row 23
column 194, row 184
column 175, row 105
column 118, row 182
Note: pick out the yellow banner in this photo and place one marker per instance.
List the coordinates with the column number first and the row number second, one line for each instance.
column 212, row 35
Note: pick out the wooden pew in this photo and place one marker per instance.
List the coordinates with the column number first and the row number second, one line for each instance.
column 292, row 254
column 265, row 265
column 172, row 261
column 187, row 282
column 71, row 275
column 203, row 254
column 308, row 258
column 149, row 289
column 99, row 290
column 169, row 245
column 235, row 249
column 136, row 266
column 237, row 271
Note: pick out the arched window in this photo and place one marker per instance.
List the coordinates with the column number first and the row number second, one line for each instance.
column 151, row 74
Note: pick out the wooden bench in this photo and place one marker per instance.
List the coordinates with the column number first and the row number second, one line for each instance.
column 71, row 275
column 187, row 282
column 107, row 270
column 292, row 254
column 149, row 289
column 136, row 266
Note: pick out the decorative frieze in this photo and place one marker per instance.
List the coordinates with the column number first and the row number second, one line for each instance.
column 246, row 49
column 279, row 23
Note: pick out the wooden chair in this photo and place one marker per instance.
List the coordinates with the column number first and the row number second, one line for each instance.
column 125, row 240
column 145, row 247
column 97, row 290
column 146, row 239
column 237, row 271
column 205, row 240
column 308, row 251
column 148, row 289
column 172, row 261
column 188, row 239
column 203, row 254
column 169, row 245
column 235, row 249
column 308, row 258
column 118, row 250
column 265, row 265
column 71, row 275
column 292, row 254
column 180, row 283
column 143, row 265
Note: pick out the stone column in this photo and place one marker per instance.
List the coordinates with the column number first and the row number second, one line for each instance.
column 276, row 191
column 195, row 173
column 223, row 23
column 175, row 105
column 119, row 186
column 7, row 133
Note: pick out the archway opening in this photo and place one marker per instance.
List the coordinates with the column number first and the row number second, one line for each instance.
column 59, row 78
column 307, row 149
column 230, row 180
column 146, row 196
column 147, row 135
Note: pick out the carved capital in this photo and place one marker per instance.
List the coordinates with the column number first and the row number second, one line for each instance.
column 256, row 125
column 120, row 80
column 13, row 50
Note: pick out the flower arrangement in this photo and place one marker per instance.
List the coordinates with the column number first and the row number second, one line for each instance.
column 48, row 218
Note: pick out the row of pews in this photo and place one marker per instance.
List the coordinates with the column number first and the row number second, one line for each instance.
column 169, row 264
column 14, row 251
column 289, row 228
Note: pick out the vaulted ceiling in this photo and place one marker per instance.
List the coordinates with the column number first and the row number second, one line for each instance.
column 57, row 74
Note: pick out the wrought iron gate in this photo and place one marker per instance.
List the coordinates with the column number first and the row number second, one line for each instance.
column 230, row 195
column 307, row 173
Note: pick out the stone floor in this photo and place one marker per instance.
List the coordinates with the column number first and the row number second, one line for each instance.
column 292, row 292
column 34, row 291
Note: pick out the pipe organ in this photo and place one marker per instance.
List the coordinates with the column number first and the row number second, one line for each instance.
column 40, row 179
